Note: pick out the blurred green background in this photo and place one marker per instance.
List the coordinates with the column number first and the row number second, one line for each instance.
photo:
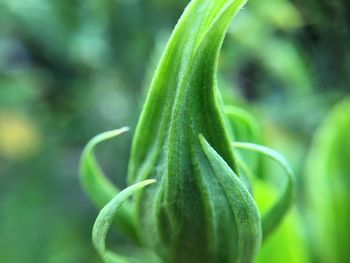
column 70, row 69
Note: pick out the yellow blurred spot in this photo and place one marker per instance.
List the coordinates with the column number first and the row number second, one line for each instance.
column 19, row 138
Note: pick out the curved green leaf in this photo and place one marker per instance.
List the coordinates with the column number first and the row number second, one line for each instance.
column 273, row 217
column 243, row 206
column 104, row 220
column 98, row 187
column 247, row 126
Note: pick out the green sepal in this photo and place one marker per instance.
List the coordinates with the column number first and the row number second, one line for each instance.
column 242, row 204
column 99, row 188
column 274, row 216
column 104, row 221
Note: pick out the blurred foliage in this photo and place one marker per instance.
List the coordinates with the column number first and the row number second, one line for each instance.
column 71, row 69
column 328, row 178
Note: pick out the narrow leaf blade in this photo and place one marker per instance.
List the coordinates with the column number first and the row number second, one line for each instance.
column 105, row 218
column 98, row 187
column 242, row 204
column 273, row 217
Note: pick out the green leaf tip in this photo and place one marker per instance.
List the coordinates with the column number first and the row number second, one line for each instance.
column 105, row 217
column 242, row 204
column 272, row 218
column 95, row 183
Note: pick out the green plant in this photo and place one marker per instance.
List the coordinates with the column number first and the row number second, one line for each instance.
column 328, row 180
column 197, row 201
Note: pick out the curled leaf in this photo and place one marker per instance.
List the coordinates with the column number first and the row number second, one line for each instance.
column 244, row 125
column 98, row 187
column 105, row 218
column 273, row 217
column 242, row 204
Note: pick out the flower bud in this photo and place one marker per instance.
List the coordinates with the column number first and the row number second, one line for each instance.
column 199, row 210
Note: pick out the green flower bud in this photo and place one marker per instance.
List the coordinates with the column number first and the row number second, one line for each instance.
column 199, row 211
column 192, row 205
